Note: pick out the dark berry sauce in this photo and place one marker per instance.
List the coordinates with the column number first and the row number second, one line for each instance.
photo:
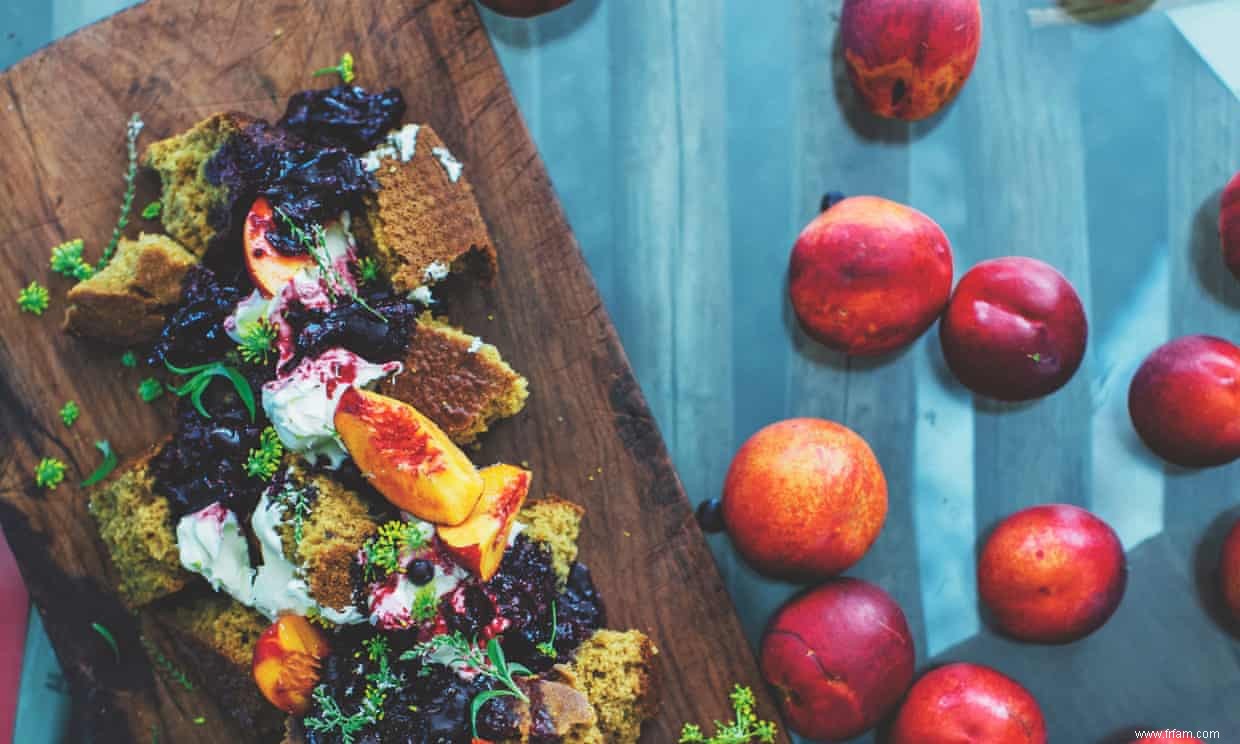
column 194, row 333
column 353, row 327
column 344, row 116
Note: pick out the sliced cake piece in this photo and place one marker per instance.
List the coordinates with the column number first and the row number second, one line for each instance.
column 555, row 523
column 188, row 196
column 456, row 380
column 335, row 523
column 214, row 637
column 616, row 672
column 423, row 223
column 127, row 302
column 136, row 526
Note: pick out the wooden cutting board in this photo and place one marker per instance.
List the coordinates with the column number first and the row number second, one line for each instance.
column 587, row 432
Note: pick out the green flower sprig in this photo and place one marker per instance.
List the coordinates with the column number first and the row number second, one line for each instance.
column 257, row 341
column 34, row 299
column 129, row 359
column 547, row 647
column 69, row 413
column 67, row 260
column 384, row 551
column 745, row 729
column 343, row 68
column 264, row 460
column 49, row 473
column 367, row 270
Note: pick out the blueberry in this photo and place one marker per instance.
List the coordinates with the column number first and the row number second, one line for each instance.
column 710, row 515
column 421, row 572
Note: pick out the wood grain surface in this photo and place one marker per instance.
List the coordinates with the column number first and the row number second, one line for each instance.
column 587, row 431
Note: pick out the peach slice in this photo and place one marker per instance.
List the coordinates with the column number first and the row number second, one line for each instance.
column 269, row 268
column 407, row 458
column 286, row 662
column 479, row 542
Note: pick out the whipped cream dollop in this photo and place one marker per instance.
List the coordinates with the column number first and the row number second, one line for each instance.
column 302, row 404
column 211, row 544
column 400, row 144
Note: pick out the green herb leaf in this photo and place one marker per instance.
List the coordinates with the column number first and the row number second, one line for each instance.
column 482, row 699
column 106, row 467
column 150, row 389
column 34, row 299
column 200, row 720
column 152, row 210
column 109, row 639
column 128, row 359
column 201, row 377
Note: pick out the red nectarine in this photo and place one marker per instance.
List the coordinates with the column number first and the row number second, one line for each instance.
column 968, row 704
column 1229, row 225
column 524, row 8
column 804, row 498
column 839, row 657
column 909, row 58
column 1052, row 574
column 869, row 275
column 268, row 268
column 1014, row 329
column 1185, row 401
column 286, row 662
column 1229, row 571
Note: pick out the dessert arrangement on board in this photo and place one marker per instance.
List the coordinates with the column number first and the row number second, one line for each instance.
column 314, row 534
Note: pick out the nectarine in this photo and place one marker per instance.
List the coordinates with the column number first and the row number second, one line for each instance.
column 909, row 58
column 268, row 268
column 407, row 458
column 804, row 498
column 479, row 542
column 1229, row 225
column 524, row 8
column 839, row 657
column 1014, row 329
column 1229, row 572
column 869, row 275
column 1052, row 574
column 1185, row 401
column 286, row 662
column 968, row 704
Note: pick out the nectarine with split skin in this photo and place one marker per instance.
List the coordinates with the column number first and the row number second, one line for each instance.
column 479, row 542
column 524, row 8
column 1052, row 574
column 407, row 458
column 1229, row 572
column 968, row 704
column 909, row 58
column 839, row 657
column 1229, row 225
column 1014, row 329
column 1185, row 401
column 804, row 498
column 869, row 275
column 286, row 662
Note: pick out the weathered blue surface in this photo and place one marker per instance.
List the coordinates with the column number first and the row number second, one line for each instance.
column 690, row 140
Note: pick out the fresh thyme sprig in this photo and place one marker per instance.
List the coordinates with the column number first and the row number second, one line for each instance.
column 69, row 413
column 165, row 665
column 547, row 647
column 297, row 501
column 67, row 260
column 459, row 652
column 132, row 129
column 34, row 299
column 106, row 467
column 264, row 460
column 378, row 684
column 257, row 341
column 49, row 473
column 200, row 378
column 315, row 243
column 343, row 68
column 745, row 729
